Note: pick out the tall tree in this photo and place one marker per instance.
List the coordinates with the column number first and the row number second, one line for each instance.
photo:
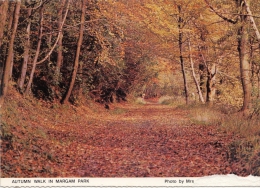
column 60, row 48
column 252, row 20
column 243, row 49
column 8, row 63
column 193, row 73
column 26, row 54
column 180, row 41
column 40, row 34
column 3, row 15
column 76, row 61
column 35, row 60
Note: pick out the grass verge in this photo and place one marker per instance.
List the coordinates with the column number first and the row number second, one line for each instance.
column 247, row 131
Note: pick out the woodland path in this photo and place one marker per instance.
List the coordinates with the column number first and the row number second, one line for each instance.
column 130, row 141
column 148, row 141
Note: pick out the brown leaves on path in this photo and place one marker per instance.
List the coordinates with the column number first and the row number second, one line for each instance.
column 142, row 141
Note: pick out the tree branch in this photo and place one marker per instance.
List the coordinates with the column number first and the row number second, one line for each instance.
column 220, row 14
column 56, row 42
column 252, row 21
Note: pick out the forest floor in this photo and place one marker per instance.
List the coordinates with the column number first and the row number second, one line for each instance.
column 129, row 140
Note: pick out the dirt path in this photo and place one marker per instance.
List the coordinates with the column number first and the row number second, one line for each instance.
column 153, row 141
column 140, row 141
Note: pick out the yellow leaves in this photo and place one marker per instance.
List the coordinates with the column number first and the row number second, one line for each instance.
column 160, row 21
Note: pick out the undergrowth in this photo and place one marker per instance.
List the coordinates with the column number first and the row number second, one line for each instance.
column 171, row 100
column 247, row 130
column 25, row 131
column 27, row 123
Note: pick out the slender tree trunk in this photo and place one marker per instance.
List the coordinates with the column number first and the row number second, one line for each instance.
column 36, row 53
column 50, row 38
column 59, row 35
column 211, row 84
column 81, row 81
column 180, row 25
column 194, row 75
column 258, row 83
column 60, row 49
column 11, row 18
column 76, row 61
column 245, row 67
column 256, row 73
column 252, row 20
column 26, row 53
column 3, row 15
column 203, row 80
column 35, row 63
column 8, row 63
column 4, row 48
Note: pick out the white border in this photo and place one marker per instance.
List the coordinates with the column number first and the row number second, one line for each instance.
column 212, row 181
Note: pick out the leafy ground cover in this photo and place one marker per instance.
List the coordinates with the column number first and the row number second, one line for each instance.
column 46, row 140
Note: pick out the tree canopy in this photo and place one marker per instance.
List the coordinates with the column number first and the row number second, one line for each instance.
column 132, row 47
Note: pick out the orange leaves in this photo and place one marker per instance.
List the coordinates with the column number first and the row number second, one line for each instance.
column 146, row 141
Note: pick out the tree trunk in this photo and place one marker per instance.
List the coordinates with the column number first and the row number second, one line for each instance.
column 10, row 20
column 59, row 35
column 26, row 53
column 194, row 76
column 36, row 53
column 4, row 48
column 76, row 61
column 39, row 46
column 252, row 20
column 81, row 81
column 3, row 15
column 211, row 84
column 180, row 26
column 243, row 49
column 203, row 80
column 50, row 38
column 60, row 56
column 245, row 68
column 258, row 84
column 8, row 63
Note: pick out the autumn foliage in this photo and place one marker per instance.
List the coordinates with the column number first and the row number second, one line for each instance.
column 114, row 87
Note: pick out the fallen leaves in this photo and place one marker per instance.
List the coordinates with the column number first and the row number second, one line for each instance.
column 145, row 141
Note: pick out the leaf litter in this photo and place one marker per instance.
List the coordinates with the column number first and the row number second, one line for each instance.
column 143, row 141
